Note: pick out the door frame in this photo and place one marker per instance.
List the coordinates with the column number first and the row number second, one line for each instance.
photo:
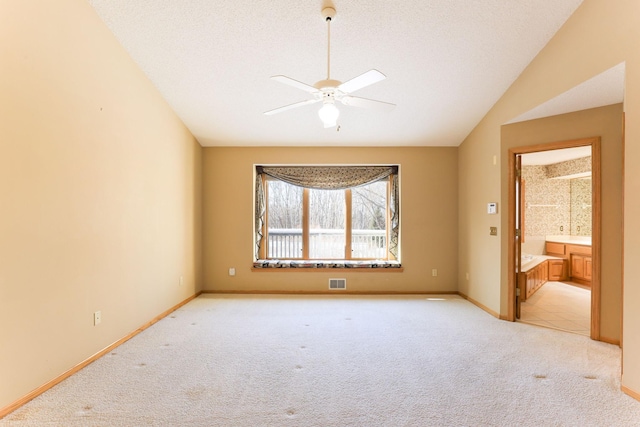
column 596, row 178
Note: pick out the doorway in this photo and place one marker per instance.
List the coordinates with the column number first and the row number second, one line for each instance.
column 556, row 203
column 556, row 259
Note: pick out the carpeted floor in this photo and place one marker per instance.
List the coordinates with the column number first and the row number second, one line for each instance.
column 341, row 361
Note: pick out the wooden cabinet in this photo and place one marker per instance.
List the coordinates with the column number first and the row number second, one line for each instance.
column 532, row 280
column 558, row 270
column 556, row 249
column 578, row 258
column 581, row 267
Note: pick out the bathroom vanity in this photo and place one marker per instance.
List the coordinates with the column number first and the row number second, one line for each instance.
column 575, row 253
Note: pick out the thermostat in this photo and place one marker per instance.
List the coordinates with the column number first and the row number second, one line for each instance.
column 492, row 208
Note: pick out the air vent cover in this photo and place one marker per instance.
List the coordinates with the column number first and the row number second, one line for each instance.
column 337, row 283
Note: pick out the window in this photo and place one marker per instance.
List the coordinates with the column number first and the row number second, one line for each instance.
column 327, row 224
column 333, row 213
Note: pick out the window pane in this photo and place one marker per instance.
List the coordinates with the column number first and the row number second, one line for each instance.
column 369, row 221
column 284, row 225
column 326, row 224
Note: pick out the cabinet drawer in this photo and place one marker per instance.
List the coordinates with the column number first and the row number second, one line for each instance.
column 578, row 249
column 555, row 248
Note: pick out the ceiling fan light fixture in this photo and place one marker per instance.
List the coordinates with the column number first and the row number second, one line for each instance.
column 329, row 114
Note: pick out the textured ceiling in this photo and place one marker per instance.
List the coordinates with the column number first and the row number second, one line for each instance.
column 446, row 61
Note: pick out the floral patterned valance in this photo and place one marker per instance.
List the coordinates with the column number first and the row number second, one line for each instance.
column 328, row 177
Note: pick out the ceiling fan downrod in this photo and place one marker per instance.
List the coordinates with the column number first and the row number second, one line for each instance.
column 328, row 13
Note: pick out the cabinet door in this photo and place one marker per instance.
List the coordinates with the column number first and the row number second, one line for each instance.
column 587, row 268
column 530, row 283
column 541, row 274
column 556, row 270
column 577, row 266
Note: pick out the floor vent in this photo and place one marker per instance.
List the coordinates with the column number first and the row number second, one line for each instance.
column 337, row 283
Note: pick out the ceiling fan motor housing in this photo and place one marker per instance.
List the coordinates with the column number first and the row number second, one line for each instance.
column 327, row 84
column 328, row 13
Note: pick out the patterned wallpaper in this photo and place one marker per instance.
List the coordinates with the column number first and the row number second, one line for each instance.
column 548, row 202
column 570, row 167
column 581, row 207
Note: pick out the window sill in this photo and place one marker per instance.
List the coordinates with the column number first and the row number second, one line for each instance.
column 311, row 265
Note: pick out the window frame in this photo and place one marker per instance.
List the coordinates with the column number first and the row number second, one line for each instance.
column 348, row 253
column 348, row 226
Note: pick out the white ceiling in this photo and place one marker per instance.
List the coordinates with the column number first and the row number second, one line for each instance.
column 555, row 156
column 446, row 61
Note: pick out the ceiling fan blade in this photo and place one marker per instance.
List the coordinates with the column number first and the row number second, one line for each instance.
column 371, row 104
column 363, row 80
column 295, row 83
column 290, row 106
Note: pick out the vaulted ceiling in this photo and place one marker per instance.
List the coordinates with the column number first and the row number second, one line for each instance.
column 446, row 62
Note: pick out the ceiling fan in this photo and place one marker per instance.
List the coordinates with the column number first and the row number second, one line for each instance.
column 329, row 91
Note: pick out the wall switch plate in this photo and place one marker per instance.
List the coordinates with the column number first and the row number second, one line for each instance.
column 232, row 271
column 434, row 272
column 181, row 280
column 493, row 231
column 97, row 318
column 492, row 208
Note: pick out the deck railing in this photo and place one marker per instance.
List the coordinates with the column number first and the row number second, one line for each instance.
column 327, row 243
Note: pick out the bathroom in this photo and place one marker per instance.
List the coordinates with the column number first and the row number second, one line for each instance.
column 556, row 243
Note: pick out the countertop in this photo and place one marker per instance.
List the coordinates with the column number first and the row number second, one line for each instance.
column 528, row 263
column 570, row 240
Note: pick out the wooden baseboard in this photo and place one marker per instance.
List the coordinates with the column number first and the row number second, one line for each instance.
column 482, row 306
column 610, row 340
column 38, row 391
column 328, row 292
column 627, row 390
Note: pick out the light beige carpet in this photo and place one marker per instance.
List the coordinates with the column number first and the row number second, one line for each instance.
column 341, row 361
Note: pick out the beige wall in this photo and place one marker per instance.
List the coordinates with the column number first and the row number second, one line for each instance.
column 599, row 35
column 99, row 193
column 428, row 182
column 605, row 122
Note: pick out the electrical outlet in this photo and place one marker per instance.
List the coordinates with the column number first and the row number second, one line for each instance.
column 434, row 272
column 97, row 318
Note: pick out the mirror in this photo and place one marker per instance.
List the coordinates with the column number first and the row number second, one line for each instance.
column 580, row 206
